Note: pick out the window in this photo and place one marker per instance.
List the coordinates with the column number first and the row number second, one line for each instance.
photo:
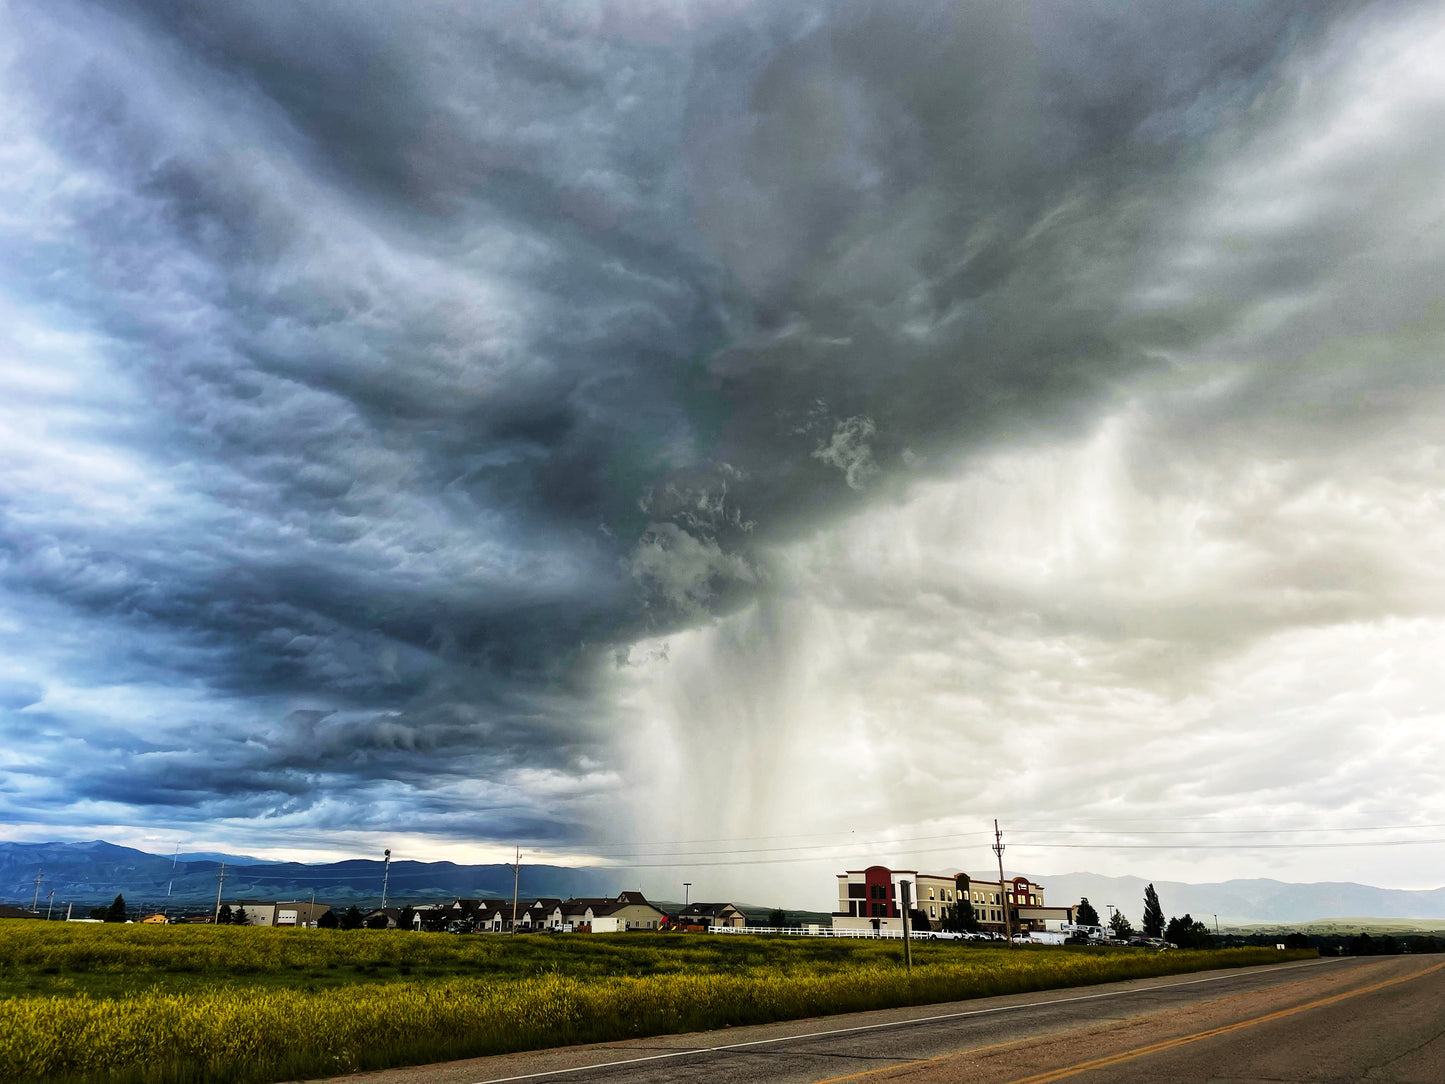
column 878, row 892
column 930, row 893
column 932, row 911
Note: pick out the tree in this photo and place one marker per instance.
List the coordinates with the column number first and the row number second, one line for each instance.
column 239, row 917
column 777, row 918
column 918, row 921
column 327, row 921
column 406, row 920
column 1121, row 925
column 1153, row 914
column 1085, row 915
column 116, row 911
column 376, row 922
column 223, row 916
column 959, row 917
column 351, row 918
column 1187, row 932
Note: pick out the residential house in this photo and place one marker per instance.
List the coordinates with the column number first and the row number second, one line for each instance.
column 625, row 911
column 543, row 914
column 700, row 915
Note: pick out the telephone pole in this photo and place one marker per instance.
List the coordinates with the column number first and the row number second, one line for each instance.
column 51, row 909
column 686, row 893
column 220, row 883
column 385, row 876
column 516, row 871
column 35, row 903
column 1003, row 890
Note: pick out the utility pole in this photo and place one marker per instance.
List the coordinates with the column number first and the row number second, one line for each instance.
column 1216, row 925
column 35, row 903
column 686, row 893
column 385, row 876
column 216, row 918
column 51, row 909
column 516, row 871
column 907, row 889
column 174, row 859
column 1003, row 890
column 68, row 911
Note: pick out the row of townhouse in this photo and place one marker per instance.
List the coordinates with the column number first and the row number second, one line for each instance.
column 597, row 914
column 871, row 899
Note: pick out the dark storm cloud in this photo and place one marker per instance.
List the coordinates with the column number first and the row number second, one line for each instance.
column 462, row 342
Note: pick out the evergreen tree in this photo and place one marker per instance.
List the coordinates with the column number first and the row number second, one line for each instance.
column 1153, row 914
column 959, row 917
column 1187, row 932
column 239, row 916
column 1120, row 925
column 116, row 911
column 327, row 921
column 351, row 918
column 407, row 919
column 223, row 916
column 1085, row 915
column 777, row 918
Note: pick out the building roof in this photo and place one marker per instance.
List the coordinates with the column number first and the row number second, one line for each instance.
column 707, row 909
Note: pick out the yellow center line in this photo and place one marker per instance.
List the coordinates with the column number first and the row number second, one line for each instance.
column 1143, row 1051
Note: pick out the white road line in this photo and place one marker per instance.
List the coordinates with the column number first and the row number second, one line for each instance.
column 889, row 1024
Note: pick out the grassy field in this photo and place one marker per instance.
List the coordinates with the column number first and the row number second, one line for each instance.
column 1348, row 927
column 163, row 1005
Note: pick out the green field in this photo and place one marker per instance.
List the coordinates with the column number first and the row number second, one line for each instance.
column 170, row 1004
column 1348, row 927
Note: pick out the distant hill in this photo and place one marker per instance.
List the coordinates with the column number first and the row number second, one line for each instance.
column 1245, row 901
column 91, row 873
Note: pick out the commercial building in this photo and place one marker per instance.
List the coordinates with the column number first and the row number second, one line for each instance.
column 871, row 899
column 281, row 912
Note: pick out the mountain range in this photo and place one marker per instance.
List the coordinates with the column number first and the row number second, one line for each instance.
column 1245, row 901
column 90, row 873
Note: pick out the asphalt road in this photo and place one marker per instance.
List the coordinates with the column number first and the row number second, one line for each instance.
column 1379, row 1019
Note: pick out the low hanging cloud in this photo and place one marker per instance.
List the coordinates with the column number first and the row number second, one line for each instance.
column 370, row 381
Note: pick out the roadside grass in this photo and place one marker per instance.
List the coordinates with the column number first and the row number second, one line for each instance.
column 248, row 1014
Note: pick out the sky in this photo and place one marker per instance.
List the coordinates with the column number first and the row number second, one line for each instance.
column 736, row 441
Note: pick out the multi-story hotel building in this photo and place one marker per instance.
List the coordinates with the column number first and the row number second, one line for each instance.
column 871, row 899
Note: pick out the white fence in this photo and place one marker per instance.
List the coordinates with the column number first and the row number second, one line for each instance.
column 825, row 931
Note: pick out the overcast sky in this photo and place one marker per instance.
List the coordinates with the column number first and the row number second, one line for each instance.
column 723, row 437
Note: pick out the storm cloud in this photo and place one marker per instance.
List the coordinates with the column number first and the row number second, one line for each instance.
column 438, row 418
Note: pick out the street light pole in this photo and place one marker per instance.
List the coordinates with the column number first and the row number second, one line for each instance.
column 385, row 876
column 906, row 888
